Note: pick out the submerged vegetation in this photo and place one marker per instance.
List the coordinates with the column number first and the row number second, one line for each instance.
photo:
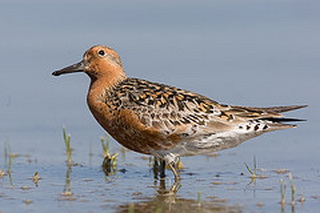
column 165, row 198
column 293, row 193
column 253, row 171
column 109, row 164
column 293, row 189
column 67, row 138
column 35, row 178
column 11, row 156
column 283, row 192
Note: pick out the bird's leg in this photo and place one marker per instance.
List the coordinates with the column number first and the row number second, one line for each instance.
column 173, row 168
column 162, row 168
column 155, row 168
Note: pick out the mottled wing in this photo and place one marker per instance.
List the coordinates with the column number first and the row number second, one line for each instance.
column 186, row 114
column 167, row 108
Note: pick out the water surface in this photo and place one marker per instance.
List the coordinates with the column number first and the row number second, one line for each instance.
column 245, row 53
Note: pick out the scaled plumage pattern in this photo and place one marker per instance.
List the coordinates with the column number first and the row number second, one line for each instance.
column 166, row 121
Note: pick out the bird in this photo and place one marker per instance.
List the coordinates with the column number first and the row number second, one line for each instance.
column 165, row 121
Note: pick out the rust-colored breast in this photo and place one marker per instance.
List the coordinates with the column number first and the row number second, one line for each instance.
column 125, row 127
column 145, row 116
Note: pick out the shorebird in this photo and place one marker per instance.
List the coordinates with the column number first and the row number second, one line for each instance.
column 165, row 121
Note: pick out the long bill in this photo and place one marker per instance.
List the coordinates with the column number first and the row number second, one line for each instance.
column 78, row 67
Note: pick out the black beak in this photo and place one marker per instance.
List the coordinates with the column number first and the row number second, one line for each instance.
column 79, row 67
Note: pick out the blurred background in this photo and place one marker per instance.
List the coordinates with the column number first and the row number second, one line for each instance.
column 252, row 53
column 236, row 52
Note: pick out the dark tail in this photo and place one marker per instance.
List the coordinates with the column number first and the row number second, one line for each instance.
column 282, row 120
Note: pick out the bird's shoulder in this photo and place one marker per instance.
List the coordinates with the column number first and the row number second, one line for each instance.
column 142, row 94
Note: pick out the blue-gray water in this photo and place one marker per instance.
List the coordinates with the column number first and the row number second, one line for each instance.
column 254, row 53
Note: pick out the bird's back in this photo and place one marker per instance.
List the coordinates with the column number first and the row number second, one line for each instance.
column 154, row 118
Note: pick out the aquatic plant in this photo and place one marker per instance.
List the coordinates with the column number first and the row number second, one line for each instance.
column 35, row 178
column 293, row 189
column 254, row 172
column 109, row 163
column 282, row 192
column 199, row 199
column 9, row 172
column 67, row 138
column 105, row 141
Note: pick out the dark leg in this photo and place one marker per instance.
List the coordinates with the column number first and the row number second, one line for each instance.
column 162, row 168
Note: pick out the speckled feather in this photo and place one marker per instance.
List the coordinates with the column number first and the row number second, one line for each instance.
column 185, row 119
column 166, row 121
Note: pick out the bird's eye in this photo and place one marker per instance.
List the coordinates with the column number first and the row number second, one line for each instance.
column 102, row 52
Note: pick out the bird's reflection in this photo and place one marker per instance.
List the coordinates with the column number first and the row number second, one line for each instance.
column 171, row 203
column 166, row 198
column 162, row 188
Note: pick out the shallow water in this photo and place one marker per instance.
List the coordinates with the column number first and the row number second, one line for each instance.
column 257, row 54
